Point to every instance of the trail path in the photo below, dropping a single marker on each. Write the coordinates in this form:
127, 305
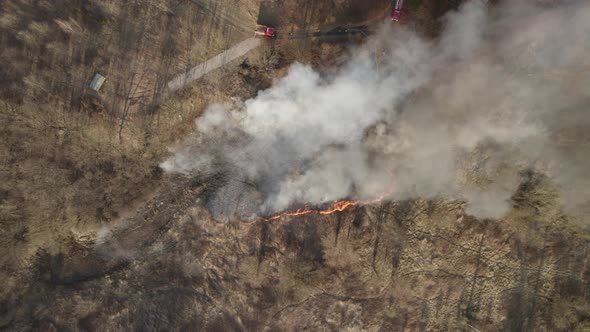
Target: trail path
217, 61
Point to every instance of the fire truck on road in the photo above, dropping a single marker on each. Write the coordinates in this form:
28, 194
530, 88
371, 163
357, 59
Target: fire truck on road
396, 13
265, 31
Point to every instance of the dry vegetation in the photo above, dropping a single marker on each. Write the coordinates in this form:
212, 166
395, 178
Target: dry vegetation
75, 163
410, 265
71, 157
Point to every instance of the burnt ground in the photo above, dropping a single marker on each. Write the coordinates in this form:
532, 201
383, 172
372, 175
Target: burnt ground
409, 265
96, 238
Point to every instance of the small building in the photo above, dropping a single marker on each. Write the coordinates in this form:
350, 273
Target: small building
97, 82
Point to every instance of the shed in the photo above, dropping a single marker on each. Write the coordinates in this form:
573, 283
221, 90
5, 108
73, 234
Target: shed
97, 82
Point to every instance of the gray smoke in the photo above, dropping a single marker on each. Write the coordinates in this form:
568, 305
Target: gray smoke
457, 118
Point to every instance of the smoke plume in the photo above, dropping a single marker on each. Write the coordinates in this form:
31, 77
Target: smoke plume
501, 90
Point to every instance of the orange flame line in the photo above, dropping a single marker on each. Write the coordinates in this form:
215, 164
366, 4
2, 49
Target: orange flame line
337, 206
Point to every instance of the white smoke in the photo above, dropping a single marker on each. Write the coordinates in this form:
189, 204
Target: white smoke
458, 117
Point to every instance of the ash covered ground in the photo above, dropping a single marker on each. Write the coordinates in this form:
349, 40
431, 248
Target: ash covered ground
461, 133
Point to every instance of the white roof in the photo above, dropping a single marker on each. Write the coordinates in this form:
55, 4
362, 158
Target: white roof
97, 82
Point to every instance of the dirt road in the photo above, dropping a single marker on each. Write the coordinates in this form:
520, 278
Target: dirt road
217, 61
